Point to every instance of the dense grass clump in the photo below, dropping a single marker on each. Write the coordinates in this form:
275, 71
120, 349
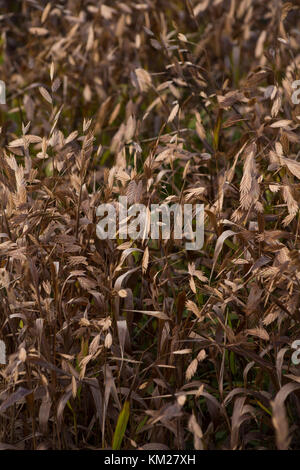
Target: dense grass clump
141, 344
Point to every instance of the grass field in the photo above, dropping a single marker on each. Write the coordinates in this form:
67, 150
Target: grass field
143, 344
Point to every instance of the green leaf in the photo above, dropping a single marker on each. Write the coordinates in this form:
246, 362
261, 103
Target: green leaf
121, 426
232, 362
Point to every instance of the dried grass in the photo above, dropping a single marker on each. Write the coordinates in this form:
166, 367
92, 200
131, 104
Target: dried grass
146, 345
